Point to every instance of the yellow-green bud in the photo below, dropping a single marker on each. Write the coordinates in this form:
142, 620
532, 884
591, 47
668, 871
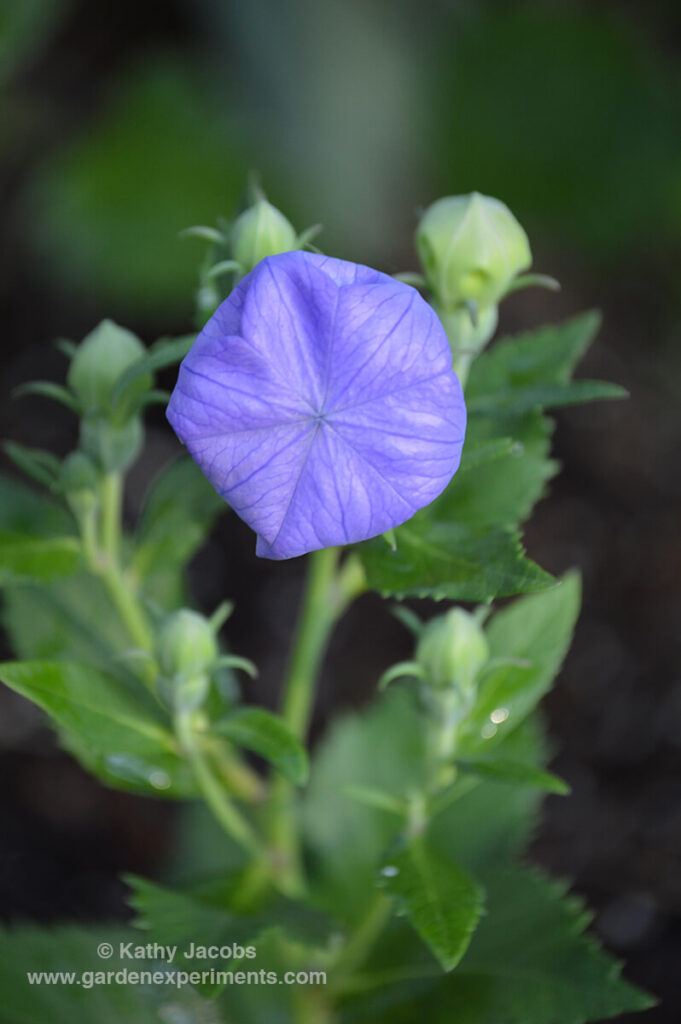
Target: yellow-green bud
186, 644
471, 248
262, 230
99, 361
452, 650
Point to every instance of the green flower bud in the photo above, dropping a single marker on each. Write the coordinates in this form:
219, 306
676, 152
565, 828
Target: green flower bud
452, 650
187, 650
471, 248
186, 644
99, 361
112, 447
261, 231
78, 473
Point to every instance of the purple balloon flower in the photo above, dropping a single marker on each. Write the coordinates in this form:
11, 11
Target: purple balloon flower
320, 402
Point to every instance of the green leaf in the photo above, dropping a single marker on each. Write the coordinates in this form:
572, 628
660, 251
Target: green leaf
24, 510
203, 914
487, 824
534, 359
383, 749
69, 618
536, 631
502, 491
203, 911
441, 900
180, 917
36, 559
532, 370
48, 389
529, 964
40, 465
464, 545
179, 510
547, 396
484, 831
514, 772
477, 452
72, 949
266, 734
457, 561
117, 737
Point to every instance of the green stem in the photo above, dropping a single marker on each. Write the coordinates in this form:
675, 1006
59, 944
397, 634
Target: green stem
112, 500
240, 780
466, 339
360, 943
103, 560
317, 616
128, 607
229, 817
327, 594
119, 587
87, 522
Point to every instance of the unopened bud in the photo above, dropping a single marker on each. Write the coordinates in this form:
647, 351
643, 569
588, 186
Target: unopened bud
112, 446
78, 473
99, 361
187, 650
452, 650
471, 248
262, 230
186, 644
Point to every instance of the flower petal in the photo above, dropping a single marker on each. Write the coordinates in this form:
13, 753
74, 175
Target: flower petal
320, 402
288, 314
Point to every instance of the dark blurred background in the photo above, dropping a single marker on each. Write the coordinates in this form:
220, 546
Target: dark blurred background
124, 121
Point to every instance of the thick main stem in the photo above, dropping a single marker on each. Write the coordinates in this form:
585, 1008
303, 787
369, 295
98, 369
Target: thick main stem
112, 499
317, 615
327, 594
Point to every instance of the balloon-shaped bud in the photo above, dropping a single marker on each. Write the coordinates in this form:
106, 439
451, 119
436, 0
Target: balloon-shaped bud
98, 363
452, 650
261, 230
186, 644
471, 248
187, 650
78, 474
